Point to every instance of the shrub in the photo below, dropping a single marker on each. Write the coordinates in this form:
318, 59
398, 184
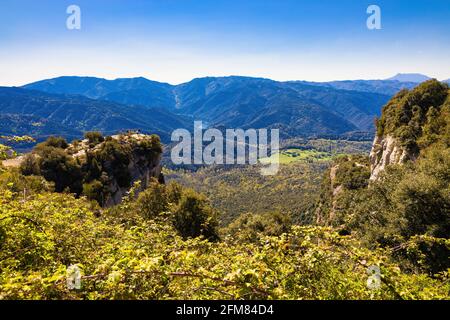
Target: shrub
62, 169
94, 137
352, 173
153, 201
55, 142
252, 227
174, 192
23, 185
94, 190
30, 165
194, 217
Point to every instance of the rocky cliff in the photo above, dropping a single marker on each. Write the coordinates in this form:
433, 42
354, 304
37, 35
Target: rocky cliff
100, 168
120, 161
386, 150
410, 122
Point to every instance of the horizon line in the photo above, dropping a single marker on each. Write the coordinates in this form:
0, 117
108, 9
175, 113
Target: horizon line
225, 76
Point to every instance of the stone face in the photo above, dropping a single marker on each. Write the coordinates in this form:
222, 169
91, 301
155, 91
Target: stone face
12, 163
335, 191
386, 151
144, 164
140, 170
141, 167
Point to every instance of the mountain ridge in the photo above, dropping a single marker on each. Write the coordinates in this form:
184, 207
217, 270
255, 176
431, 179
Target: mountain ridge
216, 100
298, 108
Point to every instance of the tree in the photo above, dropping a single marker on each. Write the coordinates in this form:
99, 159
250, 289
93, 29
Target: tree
54, 142
252, 227
55, 165
94, 190
153, 201
194, 217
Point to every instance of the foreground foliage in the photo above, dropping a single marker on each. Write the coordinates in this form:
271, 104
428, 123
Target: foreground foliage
126, 255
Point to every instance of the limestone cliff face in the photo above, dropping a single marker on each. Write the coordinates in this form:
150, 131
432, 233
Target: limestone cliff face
335, 189
142, 164
386, 150
140, 169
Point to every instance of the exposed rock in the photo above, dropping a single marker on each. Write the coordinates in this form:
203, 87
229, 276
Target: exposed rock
12, 163
386, 151
335, 191
141, 167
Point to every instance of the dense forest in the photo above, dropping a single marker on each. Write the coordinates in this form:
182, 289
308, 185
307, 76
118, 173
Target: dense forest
324, 228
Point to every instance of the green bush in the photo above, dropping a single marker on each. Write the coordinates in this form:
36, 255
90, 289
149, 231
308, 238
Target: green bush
352, 173
55, 165
55, 142
94, 137
194, 217
152, 201
148, 260
21, 185
30, 165
94, 190
252, 227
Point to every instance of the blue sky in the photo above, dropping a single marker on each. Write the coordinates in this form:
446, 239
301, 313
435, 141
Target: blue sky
177, 40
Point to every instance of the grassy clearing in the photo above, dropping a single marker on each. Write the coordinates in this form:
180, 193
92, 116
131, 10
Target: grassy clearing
288, 156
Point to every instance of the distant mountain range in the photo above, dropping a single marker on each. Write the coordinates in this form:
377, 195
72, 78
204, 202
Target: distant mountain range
72, 105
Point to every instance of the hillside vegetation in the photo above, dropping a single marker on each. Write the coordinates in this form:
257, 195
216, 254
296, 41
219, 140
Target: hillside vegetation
407, 208
292, 192
130, 252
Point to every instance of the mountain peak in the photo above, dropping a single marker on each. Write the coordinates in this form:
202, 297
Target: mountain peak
410, 77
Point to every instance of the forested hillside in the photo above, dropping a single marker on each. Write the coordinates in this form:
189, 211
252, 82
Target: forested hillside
69, 106
406, 206
292, 192
42, 114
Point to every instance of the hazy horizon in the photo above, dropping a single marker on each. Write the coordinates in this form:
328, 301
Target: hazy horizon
208, 76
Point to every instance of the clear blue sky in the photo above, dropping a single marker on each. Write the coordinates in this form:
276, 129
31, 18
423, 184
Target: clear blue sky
177, 40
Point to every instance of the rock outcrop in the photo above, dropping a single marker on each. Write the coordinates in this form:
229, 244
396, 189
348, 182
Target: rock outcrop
141, 164
386, 150
140, 170
410, 121
101, 168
